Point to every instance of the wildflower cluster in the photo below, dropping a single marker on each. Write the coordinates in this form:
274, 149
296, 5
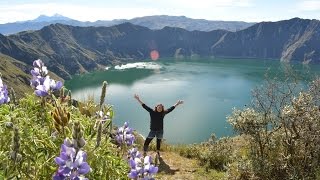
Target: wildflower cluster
29, 136
125, 135
141, 167
72, 163
4, 97
72, 160
41, 82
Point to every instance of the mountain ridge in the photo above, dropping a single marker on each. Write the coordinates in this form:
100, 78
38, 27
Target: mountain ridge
291, 35
69, 50
45, 18
152, 22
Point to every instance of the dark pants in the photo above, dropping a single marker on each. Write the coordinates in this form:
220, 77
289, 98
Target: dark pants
147, 142
151, 135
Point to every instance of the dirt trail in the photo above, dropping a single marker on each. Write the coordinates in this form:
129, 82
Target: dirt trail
175, 167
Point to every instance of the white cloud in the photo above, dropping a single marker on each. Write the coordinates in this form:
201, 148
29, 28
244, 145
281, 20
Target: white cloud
95, 13
201, 9
230, 10
200, 3
79, 12
92, 12
309, 5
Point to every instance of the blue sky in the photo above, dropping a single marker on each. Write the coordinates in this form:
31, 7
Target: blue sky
92, 10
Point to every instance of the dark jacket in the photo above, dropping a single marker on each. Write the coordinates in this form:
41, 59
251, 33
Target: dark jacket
156, 118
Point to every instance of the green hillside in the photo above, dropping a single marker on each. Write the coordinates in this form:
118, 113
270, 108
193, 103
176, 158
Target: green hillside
15, 75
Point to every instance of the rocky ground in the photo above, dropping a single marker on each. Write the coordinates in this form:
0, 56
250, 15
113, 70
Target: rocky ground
175, 167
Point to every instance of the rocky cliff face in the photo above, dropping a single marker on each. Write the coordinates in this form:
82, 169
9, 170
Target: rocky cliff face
69, 50
294, 39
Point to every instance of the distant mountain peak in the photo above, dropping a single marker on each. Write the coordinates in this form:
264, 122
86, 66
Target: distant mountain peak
152, 22
55, 17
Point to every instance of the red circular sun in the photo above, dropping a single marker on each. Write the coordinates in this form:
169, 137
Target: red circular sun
154, 54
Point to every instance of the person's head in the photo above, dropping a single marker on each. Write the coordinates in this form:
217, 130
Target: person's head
159, 108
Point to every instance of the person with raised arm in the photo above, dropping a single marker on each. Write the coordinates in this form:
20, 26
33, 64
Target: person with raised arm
156, 122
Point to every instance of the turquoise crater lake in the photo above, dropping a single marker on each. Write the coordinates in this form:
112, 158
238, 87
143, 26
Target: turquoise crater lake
211, 88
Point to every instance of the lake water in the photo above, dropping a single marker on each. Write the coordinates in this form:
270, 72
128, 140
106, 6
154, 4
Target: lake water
210, 88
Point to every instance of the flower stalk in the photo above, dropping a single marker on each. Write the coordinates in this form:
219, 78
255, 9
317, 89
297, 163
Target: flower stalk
15, 147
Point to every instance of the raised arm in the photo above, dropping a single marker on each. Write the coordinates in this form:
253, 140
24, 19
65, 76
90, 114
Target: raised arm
174, 106
178, 103
142, 103
136, 96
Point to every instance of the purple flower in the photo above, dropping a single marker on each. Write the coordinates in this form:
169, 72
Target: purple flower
46, 86
149, 169
38, 63
35, 72
72, 164
133, 153
59, 176
39, 71
42, 83
55, 85
36, 80
141, 168
4, 97
133, 174
136, 166
125, 135
39, 68
126, 124
67, 142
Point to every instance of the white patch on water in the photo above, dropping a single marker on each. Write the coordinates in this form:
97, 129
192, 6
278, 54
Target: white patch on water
138, 65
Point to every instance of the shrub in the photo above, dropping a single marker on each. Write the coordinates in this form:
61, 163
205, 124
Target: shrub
284, 129
213, 154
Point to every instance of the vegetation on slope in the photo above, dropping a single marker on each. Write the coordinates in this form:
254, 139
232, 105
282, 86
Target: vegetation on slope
33, 128
279, 138
279, 135
14, 74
